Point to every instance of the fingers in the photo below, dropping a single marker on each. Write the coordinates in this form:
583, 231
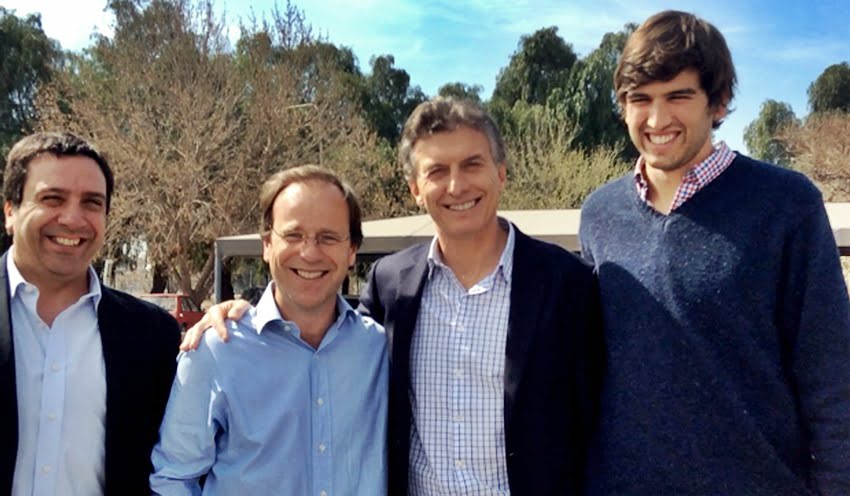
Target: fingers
214, 318
237, 309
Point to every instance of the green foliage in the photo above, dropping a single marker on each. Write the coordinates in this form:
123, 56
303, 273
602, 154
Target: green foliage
762, 135
831, 90
27, 57
544, 169
461, 91
541, 63
388, 97
581, 93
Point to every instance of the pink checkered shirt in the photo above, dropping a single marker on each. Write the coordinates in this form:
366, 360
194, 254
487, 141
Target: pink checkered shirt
694, 180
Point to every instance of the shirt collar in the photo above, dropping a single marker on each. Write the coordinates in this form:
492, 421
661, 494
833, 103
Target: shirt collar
506, 261
267, 311
16, 280
702, 173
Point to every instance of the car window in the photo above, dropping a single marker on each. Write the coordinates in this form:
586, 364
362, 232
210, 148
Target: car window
189, 305
168, 302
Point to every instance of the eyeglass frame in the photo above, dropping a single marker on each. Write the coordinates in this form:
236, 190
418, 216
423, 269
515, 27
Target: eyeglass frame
302, 238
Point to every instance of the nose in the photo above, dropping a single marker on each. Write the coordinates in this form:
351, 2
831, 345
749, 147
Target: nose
457, 182
72, 216
659, 115
309, 249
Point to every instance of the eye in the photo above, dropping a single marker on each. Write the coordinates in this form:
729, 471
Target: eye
435, 172
329, 239
52, 200
94, 203
293, 237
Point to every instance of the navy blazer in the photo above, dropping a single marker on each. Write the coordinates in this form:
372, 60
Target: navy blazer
554, 359
140, 343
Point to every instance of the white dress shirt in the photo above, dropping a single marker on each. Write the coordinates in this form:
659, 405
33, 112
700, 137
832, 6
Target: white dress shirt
457, 368
61, 389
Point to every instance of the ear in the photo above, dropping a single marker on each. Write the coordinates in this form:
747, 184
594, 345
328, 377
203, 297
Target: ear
503, 175
414, 190
352, 255
267, 247
9, 212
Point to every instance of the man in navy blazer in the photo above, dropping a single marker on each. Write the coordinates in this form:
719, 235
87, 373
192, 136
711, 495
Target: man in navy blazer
85, 370
496, 341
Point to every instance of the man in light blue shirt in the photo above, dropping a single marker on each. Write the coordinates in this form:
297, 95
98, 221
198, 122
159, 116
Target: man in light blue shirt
296, 403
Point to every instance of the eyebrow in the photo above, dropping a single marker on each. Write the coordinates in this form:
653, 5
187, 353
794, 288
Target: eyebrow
683, 92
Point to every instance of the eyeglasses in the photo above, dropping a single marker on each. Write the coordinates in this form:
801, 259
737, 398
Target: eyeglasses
323, 239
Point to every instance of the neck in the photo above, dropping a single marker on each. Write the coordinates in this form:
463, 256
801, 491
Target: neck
471, 259
313, 325
54, 295
663, 186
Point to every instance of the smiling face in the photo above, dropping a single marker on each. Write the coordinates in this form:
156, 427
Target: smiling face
670, 122
458, 183
59, 225
307, 274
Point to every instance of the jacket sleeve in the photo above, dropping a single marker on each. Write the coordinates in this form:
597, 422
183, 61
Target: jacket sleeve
816, 318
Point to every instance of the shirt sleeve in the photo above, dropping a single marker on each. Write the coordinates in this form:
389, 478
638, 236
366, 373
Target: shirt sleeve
193, 417
817, 319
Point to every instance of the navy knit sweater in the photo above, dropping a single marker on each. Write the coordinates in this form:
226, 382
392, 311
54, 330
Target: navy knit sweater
728, 328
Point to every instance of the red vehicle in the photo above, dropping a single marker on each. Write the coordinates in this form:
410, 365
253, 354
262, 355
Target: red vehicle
180, 306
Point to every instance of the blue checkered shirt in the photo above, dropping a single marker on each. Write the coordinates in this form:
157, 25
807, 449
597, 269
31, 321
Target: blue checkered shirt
457, 366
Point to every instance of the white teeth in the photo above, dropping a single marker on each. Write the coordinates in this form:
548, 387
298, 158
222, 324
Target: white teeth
660, 139
462, 206
67, 241
309, 274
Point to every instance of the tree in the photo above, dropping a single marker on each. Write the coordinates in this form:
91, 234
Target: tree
831, 90
462, 91
821, 150
388, 97
762, 135
192, 130
541, 63
27, 58
588, 97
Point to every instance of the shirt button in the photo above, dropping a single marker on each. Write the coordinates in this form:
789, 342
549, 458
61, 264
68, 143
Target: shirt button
51, 416
55, 367
46, 469
322, 448
28, 288
287, 327
458, 373
323, 493
459, 464
458, 418
320, 402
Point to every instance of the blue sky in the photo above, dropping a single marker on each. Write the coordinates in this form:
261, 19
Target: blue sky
779, 47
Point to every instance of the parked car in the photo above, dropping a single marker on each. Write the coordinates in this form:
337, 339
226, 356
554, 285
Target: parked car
180, 306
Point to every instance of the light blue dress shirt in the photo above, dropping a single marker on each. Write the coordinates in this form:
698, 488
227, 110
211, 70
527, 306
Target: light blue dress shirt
457, 370
265, 413
60, 380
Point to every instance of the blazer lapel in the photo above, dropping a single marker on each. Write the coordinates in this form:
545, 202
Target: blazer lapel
114, 352
8, 391
523, 322
406, 310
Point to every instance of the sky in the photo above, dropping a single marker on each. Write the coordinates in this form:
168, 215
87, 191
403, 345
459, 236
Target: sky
779, 47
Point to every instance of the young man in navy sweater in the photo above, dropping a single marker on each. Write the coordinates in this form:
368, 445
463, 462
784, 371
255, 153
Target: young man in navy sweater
727, 318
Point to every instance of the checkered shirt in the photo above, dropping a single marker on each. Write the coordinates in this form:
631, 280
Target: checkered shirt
457, 368
694, 180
